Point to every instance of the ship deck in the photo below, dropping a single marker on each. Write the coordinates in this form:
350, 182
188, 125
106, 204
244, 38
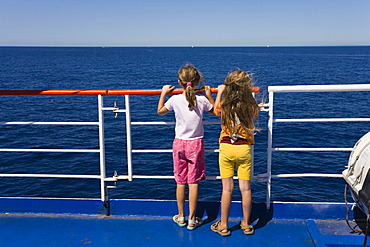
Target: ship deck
55, 222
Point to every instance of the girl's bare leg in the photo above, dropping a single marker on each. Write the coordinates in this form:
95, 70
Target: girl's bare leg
245, 189
180, 197
193, 201
227, 193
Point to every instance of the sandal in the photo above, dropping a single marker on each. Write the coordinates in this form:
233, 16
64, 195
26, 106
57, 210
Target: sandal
216, 228
247, 227
197, 222
177, 219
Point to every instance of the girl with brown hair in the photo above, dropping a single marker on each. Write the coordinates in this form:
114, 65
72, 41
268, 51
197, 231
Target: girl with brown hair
188, 146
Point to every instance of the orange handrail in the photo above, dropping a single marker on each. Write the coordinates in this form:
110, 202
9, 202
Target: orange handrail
140, 92
157, 91
95, 92
52, 92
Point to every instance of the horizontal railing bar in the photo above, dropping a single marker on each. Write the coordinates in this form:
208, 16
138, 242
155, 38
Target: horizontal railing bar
109, 108
321, 120
257, 177
169, 123
152, 150
211, 122
152, 123
161, 177
312, 149
52, 92
158, 91
125, 177
168, 150
319, 88
150, 177
114, 109
50, 123
50, 150
50, 176
97, 92
301, 175
143, 92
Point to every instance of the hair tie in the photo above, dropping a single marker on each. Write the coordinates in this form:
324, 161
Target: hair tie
189, 84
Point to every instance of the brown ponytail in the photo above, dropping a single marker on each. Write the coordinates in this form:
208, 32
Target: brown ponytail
189, 77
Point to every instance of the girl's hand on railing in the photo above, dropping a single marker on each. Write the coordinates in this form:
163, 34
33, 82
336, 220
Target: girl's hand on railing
167, 89
221, 88
207, 91
204, 90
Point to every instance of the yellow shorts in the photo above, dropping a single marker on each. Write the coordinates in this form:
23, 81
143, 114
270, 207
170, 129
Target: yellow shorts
238, 156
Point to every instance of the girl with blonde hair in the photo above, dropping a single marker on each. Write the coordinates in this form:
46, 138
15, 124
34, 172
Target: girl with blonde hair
238, 108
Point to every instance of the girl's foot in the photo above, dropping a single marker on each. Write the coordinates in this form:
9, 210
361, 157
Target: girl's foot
223, 231
247, 229
192, 224
180, 221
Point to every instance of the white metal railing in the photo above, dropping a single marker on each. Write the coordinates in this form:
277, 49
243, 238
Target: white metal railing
130, 151
100, 124
298, 89
101, 150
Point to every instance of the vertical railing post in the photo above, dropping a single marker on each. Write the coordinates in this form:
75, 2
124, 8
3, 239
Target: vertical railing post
103, 189
128, 133
252, 152
269, 148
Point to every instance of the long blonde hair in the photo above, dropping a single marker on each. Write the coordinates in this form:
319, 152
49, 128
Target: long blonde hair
189, 77
238, 104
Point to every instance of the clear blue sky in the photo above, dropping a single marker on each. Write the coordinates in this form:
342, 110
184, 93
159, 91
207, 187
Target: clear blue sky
184, 23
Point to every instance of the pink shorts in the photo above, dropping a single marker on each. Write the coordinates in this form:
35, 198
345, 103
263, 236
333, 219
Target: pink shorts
188, 161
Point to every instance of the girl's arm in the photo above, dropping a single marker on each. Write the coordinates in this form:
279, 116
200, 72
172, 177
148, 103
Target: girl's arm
217, 106
208, 93
162, 110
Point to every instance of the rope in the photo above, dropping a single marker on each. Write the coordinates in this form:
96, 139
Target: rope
347, 208
367, 229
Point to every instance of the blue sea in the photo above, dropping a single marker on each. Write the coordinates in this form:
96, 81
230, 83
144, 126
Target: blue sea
44, 68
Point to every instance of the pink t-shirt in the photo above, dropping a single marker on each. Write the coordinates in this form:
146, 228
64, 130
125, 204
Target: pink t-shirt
189, 124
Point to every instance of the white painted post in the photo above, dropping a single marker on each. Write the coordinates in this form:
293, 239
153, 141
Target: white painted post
103, 190
128, 134
269, 149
